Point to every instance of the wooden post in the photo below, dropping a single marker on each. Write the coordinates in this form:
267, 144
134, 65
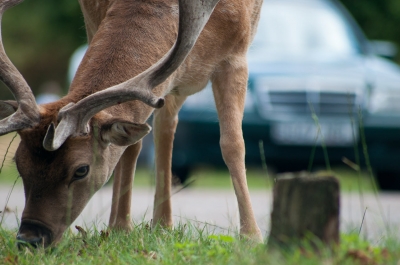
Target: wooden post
303, 204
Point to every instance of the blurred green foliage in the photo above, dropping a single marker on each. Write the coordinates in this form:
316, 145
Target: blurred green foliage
40, 35
379, 19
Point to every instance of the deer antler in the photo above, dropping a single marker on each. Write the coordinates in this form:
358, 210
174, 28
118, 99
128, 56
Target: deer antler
193, 15
28, 113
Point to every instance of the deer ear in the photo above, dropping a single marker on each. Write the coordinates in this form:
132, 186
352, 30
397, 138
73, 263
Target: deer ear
7, 107
124, 133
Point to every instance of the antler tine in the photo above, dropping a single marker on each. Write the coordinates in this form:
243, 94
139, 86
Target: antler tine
28, 112
193, 15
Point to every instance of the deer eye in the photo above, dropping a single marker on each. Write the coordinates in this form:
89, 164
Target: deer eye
81, 172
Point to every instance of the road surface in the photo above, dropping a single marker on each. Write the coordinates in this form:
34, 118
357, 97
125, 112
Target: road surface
217, 209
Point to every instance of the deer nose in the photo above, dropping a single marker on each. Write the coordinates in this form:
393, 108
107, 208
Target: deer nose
31, 234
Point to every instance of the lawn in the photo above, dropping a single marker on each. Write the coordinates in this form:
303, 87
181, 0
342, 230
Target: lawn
188, 244
192, 243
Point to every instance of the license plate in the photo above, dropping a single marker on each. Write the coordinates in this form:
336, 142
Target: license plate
332, 134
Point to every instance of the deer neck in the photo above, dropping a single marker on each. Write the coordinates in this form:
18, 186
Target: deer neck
124, 46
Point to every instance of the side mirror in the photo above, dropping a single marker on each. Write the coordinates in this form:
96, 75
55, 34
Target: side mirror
384, 49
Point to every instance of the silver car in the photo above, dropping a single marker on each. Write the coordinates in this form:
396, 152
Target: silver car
318, 93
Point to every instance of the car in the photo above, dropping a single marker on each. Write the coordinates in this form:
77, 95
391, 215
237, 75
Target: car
318, 94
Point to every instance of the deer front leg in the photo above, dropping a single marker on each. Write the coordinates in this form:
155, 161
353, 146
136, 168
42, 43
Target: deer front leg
120, 217
165, 122
229, 87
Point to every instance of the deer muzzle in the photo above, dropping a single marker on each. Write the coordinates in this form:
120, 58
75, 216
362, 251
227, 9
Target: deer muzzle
34, 233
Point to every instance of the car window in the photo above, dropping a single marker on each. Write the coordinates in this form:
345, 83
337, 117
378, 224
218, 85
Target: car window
301, 29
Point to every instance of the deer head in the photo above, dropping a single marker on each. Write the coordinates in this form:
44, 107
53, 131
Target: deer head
69, 148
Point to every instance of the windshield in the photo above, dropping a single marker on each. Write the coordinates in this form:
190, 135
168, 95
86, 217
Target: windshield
301, 30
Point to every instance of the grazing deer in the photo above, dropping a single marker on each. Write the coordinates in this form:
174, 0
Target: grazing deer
70, 148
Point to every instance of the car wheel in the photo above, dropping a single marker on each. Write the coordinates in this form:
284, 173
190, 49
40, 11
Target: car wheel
180, 174
388, 180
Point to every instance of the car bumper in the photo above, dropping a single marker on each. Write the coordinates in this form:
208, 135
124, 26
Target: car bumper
197, 143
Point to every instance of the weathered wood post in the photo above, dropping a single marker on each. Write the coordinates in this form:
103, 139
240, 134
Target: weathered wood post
303, 204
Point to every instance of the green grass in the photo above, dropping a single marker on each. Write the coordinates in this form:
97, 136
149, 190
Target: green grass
220, 179
188, 244
217, 178
257, 178
194, 244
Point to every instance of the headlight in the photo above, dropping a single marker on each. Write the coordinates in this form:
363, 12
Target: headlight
385, 101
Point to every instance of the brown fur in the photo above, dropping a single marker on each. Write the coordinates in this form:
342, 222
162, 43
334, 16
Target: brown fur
126, 37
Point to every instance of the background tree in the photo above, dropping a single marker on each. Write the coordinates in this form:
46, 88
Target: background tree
39, 37
379, 19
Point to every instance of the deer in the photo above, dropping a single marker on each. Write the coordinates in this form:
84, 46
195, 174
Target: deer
144, 58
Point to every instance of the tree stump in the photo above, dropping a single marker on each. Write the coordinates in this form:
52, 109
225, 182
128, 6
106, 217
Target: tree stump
304, 204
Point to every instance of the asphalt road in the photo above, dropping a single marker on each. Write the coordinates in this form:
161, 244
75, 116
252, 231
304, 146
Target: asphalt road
217, 209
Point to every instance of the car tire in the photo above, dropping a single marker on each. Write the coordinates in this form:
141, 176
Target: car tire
180, 174
388, 180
